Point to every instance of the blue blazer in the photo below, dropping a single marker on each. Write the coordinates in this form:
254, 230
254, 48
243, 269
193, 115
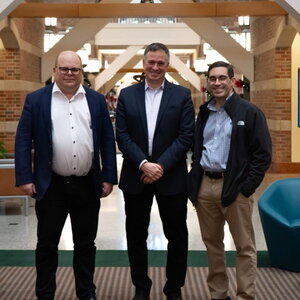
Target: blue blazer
35, 132
172, 137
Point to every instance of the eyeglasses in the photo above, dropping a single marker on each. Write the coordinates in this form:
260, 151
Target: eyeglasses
220, 78
65, 70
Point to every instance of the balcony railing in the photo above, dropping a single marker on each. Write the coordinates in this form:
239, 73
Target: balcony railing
146, 20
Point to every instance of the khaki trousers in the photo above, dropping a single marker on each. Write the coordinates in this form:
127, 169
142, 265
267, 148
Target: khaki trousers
238, 215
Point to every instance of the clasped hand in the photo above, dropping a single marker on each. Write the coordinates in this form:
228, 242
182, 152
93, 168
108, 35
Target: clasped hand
151, 172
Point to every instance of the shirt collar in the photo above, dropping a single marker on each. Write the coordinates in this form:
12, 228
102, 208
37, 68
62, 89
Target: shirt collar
148, 87
56, 89
211, 104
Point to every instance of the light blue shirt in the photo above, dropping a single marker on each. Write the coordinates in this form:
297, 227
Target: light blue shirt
216, 139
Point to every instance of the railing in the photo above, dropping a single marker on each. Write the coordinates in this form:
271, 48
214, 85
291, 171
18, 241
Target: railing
146, 20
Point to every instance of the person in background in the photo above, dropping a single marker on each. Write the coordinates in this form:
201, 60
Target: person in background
154, 129
74, 164
232, 151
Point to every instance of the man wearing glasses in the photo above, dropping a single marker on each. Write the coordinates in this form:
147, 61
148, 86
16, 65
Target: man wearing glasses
68, 127
155, 126
232, 151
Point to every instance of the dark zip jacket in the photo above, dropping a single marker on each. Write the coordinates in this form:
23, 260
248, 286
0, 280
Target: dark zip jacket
249, 155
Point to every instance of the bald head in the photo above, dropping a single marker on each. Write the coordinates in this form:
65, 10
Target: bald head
68, 73
68, 55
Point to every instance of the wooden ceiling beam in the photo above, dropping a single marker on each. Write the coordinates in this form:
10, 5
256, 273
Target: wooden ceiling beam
42, 10
140, 70
129, 10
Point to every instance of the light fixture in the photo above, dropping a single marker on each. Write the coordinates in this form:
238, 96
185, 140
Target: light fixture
51, 22
200, 65
244, 22
93, 65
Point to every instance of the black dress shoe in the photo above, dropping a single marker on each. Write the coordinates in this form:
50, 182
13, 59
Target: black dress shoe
227, 298
141, 295
174, 297
91, 297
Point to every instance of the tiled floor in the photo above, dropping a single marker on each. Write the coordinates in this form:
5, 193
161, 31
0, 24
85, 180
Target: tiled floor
19, 232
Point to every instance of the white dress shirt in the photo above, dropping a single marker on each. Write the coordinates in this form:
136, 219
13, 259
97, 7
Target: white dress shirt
71, 133
153, 99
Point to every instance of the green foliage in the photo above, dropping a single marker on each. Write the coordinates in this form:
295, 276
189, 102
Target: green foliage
2, 150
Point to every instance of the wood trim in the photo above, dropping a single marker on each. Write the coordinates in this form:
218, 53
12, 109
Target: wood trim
149, 10
284, 168
42, 10
140, 70
7, 184
181, 10
249, 8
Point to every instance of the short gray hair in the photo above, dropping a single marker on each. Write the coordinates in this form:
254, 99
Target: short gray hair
157, 47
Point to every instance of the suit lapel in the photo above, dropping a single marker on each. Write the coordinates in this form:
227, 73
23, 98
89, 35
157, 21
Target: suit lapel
93, 111
46, 105
91, 105
141, 105
164, 102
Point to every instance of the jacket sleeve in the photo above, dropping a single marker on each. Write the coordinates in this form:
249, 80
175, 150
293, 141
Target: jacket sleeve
108, 149
126, 144
23, 146
260, 153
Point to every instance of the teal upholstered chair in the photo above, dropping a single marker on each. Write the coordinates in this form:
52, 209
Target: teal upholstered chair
279, 209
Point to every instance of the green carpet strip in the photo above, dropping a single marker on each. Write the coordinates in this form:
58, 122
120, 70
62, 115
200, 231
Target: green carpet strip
118, 258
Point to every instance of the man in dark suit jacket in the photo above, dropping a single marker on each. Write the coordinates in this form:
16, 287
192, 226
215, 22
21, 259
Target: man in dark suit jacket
69, 129
155, 123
